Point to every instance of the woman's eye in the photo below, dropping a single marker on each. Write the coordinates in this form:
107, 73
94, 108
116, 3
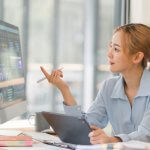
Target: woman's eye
117, 50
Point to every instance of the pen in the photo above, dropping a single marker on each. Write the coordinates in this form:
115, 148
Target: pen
42, 79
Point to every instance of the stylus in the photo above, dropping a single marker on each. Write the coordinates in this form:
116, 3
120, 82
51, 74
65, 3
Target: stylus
40, 80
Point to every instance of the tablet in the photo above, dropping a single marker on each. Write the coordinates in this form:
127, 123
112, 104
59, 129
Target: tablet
70, 129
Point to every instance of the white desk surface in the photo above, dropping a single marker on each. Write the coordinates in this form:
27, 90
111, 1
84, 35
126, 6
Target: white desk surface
34, 147
26, 128
37, 145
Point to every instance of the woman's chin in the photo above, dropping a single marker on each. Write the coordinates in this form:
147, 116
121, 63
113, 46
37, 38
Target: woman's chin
113, 70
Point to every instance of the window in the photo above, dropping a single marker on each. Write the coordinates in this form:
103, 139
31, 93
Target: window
72, 34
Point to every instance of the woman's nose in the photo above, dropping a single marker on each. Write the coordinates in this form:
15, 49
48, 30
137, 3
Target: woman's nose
109, 53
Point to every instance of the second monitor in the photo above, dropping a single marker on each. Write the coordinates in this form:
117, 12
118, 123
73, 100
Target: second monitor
12, 83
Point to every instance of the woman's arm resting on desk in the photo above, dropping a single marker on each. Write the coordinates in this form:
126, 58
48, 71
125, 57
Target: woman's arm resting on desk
54, 78
141, 134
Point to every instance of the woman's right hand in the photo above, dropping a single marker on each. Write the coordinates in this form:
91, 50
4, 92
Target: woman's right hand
55, 78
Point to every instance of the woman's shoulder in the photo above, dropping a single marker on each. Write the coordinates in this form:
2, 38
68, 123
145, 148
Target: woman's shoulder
110, 82
109, 85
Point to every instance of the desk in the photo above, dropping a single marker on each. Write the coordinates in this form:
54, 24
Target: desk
40, 146
37, 145
132, 145
38, 136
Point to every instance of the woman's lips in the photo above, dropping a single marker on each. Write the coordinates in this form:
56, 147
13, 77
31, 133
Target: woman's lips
111, 63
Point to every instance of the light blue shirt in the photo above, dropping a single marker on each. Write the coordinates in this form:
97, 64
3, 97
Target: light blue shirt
112, 104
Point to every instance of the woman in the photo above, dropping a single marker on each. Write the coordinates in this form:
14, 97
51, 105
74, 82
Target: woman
124, 100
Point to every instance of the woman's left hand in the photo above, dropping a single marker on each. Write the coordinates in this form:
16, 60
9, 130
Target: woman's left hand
98, 136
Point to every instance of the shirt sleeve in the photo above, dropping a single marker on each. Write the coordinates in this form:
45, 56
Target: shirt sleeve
96, 114
73, 110
143, 131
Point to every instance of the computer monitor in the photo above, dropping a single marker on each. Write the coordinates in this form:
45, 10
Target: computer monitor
12, 84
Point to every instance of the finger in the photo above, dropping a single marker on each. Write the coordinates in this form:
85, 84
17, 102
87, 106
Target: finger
96, 142
57, 77
53, 78
60, 70
61, 73
45, 72
53, 73
93, 134
96, 132
57, 72
95, 138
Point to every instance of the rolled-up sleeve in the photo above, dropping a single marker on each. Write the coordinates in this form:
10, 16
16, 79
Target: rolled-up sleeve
73, 110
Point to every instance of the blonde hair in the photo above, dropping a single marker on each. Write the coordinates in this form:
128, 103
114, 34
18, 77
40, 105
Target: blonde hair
137, 39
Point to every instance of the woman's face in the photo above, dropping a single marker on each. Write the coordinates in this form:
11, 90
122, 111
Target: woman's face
119, 60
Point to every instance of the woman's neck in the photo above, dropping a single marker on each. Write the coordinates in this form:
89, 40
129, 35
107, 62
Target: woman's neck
132, 78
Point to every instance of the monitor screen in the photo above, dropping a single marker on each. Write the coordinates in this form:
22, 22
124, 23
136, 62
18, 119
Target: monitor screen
12, 83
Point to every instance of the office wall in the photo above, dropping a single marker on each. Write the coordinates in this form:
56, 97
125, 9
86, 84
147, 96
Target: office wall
140, 11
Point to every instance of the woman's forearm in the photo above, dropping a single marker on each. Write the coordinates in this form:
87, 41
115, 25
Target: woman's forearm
68, 97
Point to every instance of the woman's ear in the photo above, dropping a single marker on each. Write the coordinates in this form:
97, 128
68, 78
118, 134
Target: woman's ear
138, 57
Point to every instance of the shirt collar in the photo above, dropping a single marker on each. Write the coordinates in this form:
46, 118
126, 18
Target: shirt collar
118, 91
144, 89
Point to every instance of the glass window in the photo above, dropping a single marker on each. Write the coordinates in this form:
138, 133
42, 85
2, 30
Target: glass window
39, 53
140, 11
13, 12
106, 26
56, 39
